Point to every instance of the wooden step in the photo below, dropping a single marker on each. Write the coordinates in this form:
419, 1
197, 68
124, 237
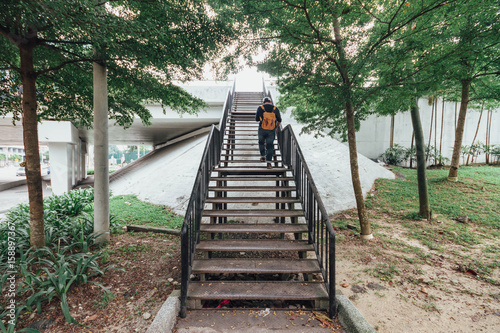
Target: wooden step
244, 149
254, 143
239, 138
240, 168
256, 228
255, 266
246, 161
252, 200
252, 179
235, 170
251, 188
247, 155
252, 213
256, 290
238, 245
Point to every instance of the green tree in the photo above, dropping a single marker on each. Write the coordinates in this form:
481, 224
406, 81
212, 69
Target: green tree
325, 55
15, 157
46, 55
473, 68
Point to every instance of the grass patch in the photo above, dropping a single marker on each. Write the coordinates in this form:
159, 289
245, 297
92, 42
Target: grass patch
471, 243
476, 194
127, 209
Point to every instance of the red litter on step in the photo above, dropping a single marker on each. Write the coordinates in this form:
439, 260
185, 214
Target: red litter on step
224, 302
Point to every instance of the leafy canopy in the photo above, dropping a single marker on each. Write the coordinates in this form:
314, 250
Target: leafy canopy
146, 45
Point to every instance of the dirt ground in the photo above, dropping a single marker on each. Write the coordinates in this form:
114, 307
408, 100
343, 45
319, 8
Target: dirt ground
396, 294
393, 292
145, 268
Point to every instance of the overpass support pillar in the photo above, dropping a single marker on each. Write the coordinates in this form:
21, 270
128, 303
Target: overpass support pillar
62, 166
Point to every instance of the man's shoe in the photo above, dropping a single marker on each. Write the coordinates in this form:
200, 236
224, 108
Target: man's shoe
269, 166
262, 158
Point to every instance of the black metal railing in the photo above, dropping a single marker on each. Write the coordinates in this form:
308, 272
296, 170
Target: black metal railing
320, 230
190, 231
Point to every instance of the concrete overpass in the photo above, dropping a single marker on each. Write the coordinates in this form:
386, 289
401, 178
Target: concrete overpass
69, 146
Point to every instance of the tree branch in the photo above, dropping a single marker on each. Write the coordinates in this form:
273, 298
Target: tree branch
486, 74
371, 14
16, 39
63, 42
62, 64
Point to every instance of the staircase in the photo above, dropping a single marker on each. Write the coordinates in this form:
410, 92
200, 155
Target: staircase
254, 243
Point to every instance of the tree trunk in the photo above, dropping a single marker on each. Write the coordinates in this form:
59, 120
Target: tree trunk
455, 158
423, 193
366, 232
412, 140
30, 138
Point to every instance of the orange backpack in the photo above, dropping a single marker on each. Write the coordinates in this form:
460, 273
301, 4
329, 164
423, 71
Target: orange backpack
269, 119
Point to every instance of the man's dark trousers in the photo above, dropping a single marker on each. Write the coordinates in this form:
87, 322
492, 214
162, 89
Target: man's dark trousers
266, 143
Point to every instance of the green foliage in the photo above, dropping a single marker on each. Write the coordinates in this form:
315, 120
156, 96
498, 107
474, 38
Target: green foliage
433, 154
15, 157
399, 154
148, 45
129, 210
49, 272
107, 296
69, 204
495, 151
395, 155
470, 153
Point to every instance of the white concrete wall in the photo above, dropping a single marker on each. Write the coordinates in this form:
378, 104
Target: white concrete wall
373, 137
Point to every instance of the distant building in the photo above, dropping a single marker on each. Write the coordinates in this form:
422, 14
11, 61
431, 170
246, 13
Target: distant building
9, 153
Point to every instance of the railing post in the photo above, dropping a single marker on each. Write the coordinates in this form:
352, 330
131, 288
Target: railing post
331, 266
184, 268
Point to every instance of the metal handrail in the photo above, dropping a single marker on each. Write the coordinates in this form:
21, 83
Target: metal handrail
320, 230
190, 231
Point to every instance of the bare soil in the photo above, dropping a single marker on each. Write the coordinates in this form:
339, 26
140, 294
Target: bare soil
396, 291
396, 282
145, 268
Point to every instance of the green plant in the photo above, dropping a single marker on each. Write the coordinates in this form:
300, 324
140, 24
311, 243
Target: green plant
395, 155
106, 297
384, 272
495, 151
49, 272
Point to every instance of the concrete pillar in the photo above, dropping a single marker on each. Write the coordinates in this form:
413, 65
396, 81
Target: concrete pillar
60, 167
101, 168
83, 160
73, 165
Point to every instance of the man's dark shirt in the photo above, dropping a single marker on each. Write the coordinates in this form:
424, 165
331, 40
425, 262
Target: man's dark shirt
269, 108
